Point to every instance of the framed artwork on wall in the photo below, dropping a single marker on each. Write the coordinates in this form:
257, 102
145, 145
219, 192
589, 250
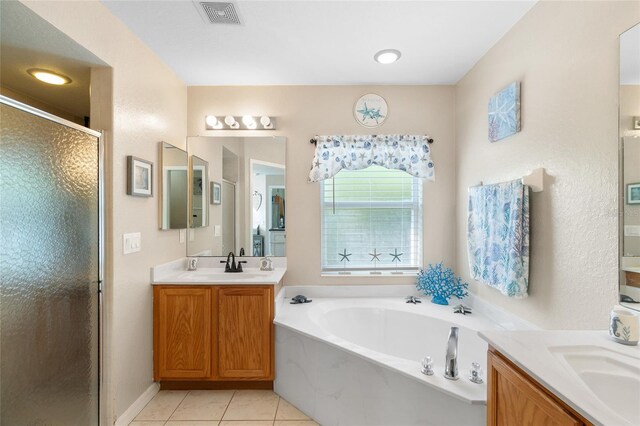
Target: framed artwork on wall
633, 193
504, 112
139, 177
216, 193
370, 110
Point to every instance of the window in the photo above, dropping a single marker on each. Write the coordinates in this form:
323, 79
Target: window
371, 209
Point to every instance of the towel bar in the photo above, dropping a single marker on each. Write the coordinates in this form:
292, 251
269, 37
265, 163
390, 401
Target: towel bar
535, 180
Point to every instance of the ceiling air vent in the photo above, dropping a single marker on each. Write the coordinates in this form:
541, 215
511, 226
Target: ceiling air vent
218, 12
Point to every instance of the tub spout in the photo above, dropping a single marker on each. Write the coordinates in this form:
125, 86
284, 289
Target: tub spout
451, 360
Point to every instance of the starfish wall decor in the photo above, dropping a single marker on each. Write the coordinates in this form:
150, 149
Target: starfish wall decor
371, 113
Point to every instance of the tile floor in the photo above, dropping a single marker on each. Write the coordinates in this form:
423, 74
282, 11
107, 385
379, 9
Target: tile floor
220, 408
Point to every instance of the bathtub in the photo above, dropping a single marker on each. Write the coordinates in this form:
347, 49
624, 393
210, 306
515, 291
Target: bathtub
356, 360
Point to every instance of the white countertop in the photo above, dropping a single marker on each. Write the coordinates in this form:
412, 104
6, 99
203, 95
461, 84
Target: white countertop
536, 352
211, 271
217, 276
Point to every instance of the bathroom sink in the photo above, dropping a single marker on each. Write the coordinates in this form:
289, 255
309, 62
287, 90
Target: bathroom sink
613, 377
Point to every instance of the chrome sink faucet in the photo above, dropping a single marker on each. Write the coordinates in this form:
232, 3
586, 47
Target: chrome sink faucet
451, 360
232, 267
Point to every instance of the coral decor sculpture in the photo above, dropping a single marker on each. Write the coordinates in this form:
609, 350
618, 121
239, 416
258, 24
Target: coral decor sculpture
441, 283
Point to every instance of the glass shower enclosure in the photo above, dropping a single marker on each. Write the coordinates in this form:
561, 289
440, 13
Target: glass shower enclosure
50, 269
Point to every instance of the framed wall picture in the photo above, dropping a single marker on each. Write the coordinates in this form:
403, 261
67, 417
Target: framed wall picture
139, 177
216, 193
633, 193
504, 112
370, 110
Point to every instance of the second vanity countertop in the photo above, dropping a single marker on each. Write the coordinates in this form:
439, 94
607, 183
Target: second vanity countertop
217, 276
547, 356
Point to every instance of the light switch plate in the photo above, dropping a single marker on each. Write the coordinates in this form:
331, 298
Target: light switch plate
217, 231
183, 236
131, 243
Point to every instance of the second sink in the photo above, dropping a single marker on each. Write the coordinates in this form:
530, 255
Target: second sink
613, 377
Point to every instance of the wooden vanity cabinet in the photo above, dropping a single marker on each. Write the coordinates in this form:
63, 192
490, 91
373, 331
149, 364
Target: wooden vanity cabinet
213, 333
515, 398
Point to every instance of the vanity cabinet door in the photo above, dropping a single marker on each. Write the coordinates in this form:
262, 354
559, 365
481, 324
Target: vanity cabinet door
513, 398
245, 332
182, 332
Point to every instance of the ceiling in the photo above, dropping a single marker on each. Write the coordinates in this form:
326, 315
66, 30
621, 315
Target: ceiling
321, 42
28, 41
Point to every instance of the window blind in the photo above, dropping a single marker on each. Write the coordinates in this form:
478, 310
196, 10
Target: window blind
371, 209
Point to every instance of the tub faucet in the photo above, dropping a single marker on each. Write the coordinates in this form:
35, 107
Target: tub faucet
451, 360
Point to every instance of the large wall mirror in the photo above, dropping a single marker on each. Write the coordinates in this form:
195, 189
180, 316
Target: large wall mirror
173, 181
629, 125
243, 197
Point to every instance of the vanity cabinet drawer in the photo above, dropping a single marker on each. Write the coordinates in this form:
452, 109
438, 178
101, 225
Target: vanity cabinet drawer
514, 398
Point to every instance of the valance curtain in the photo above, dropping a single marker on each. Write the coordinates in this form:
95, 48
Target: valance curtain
409, 153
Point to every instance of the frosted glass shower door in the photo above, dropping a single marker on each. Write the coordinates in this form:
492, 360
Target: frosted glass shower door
49, 271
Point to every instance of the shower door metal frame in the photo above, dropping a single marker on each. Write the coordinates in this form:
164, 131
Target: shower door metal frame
101, 232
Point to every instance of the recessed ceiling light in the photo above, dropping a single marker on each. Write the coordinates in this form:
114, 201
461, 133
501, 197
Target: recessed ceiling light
387, 56
49, 77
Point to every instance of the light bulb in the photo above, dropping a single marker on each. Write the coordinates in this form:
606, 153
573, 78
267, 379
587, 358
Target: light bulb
211, 120
248, 120
265, 121
252, 125
229, 120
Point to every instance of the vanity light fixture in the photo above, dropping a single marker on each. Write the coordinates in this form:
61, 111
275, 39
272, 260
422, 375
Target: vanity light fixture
244, 122
387, 56
49, 77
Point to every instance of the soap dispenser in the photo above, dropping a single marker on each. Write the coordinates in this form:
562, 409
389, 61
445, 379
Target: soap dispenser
266, 264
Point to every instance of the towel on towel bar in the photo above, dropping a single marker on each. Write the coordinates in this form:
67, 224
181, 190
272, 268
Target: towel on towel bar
498, 236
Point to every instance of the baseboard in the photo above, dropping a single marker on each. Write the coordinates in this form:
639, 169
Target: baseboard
218, 384
137, 406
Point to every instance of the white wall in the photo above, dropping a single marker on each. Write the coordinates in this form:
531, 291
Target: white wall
305, 111
138, 103
566, 56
